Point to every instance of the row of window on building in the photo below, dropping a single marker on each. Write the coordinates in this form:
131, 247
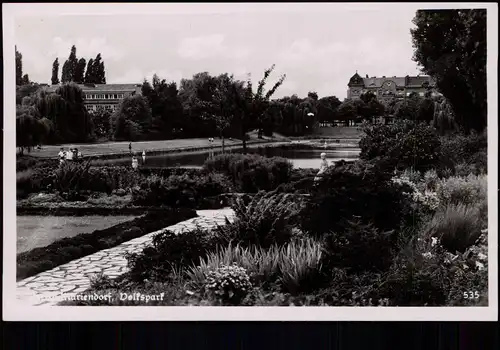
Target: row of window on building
93, 108
103, 96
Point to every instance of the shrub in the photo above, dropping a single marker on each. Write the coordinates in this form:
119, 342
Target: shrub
463, 190
230, 284
465, 153
180, 190
300, 266
250, 172
456, 225
418, 276
360, 247
170, 250
268, 219
431, 179
261, 264
468, 273
296, 265
360, 189
403, 144
422, 202
33, 180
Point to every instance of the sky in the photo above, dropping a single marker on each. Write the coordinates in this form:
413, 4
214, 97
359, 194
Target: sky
318, 47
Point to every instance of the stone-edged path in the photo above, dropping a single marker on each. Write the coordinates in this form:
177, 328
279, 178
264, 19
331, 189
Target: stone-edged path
48, 288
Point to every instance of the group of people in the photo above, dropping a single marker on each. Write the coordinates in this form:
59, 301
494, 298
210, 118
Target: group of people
72, 154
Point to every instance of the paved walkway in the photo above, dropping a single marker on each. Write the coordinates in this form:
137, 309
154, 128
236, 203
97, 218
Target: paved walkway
73, 277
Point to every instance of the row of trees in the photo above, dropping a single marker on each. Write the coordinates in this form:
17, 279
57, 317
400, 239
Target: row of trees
73, 70
203, 106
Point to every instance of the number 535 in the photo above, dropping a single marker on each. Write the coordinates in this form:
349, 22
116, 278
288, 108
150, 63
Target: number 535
471, 295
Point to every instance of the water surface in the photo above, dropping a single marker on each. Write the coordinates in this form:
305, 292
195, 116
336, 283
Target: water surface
301, 158
35, 231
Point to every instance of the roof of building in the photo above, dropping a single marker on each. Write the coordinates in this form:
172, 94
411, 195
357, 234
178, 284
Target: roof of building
408, 81
101, 87
356, 80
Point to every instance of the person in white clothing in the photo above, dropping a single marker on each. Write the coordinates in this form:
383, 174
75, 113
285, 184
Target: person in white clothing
69, 154
135, 163
322, 167
62, 155
143, 156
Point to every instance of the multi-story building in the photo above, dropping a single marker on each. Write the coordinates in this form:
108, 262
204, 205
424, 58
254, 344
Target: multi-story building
386, 88
107, 96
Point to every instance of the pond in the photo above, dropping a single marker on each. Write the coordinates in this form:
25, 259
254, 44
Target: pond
301, 158
39, 231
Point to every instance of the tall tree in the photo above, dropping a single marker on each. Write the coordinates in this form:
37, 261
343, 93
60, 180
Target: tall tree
252, 105
450, 45
79, 75
65, 109
19, 67
73, 64
131, 119
55, 72
327, 108
98, 74
165, 107
89, 73
66, 74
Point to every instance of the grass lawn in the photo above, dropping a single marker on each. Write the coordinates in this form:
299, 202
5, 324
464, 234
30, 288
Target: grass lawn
39, 231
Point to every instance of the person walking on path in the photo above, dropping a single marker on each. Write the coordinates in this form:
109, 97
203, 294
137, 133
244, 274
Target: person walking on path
130, 147
143, 156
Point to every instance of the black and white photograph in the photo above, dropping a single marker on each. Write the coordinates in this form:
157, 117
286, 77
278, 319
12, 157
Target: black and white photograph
239, 161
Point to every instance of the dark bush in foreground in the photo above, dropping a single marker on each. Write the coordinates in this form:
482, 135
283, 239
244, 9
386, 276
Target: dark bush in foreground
403, 144
67, 249
268, 219
180, 190
471, 150
251, 173
360, 247
169, 251
355, 190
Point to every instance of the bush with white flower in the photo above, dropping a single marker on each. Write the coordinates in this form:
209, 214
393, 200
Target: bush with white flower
427, 200
229, 284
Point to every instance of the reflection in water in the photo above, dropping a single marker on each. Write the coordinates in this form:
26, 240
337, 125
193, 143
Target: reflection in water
306, 158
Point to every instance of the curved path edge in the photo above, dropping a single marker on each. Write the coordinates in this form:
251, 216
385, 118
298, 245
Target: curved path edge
50, 287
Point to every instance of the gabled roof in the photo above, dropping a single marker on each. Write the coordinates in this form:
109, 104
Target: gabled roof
355, 80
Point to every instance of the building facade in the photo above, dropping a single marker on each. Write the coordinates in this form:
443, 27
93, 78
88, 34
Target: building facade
107, 96
386, 88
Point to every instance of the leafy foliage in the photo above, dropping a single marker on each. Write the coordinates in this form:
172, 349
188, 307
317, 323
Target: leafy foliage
268, 219
355, 190
180, 190
251, 173
403, 144
450, 45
